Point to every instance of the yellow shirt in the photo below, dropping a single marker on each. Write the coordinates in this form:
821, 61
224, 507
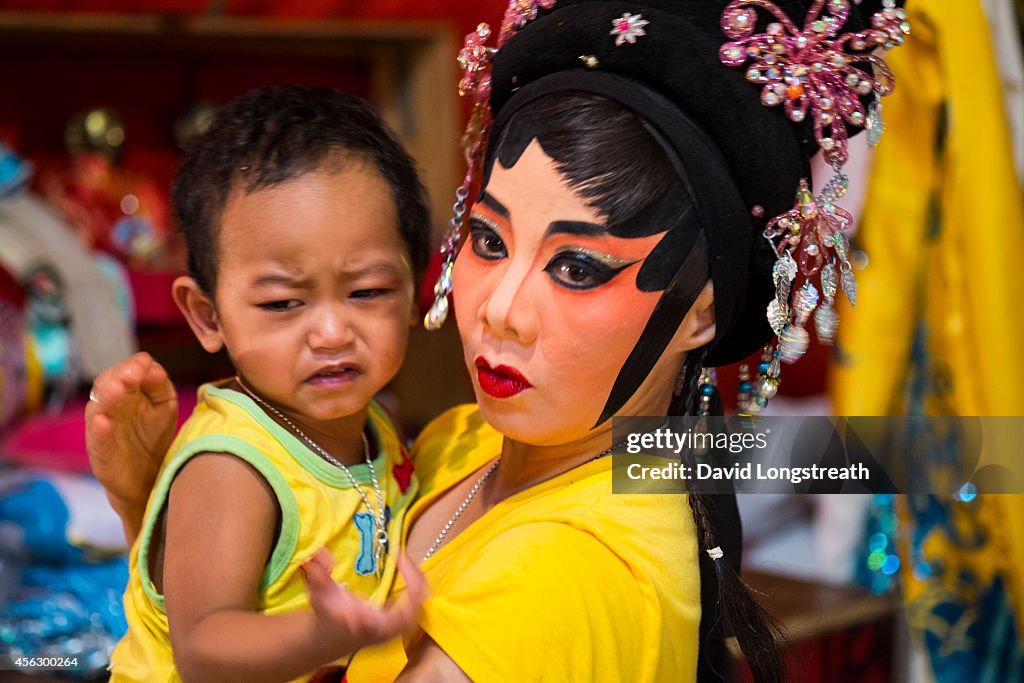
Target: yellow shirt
562, 582
319, 508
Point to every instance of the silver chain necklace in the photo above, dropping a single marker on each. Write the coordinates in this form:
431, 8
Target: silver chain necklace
476, 488
379, 520
462, 508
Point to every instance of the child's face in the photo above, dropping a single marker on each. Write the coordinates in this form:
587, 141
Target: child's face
314, 295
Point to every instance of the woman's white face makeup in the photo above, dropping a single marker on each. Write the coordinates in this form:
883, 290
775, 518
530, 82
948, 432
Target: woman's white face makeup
549, 310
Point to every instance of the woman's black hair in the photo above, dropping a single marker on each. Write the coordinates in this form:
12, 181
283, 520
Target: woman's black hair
602, 150
609, 157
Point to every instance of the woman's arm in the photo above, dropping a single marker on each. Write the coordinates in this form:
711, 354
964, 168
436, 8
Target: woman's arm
220, 531
430, 663
129, 425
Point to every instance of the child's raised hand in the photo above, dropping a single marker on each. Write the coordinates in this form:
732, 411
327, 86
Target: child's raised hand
348, 623
129, 424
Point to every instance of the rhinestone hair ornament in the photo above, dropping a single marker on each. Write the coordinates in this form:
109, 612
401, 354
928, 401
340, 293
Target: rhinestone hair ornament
817, 74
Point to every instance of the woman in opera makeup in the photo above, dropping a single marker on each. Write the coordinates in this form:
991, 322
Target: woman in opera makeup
611, 254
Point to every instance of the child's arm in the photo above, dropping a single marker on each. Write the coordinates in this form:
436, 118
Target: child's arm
220, 531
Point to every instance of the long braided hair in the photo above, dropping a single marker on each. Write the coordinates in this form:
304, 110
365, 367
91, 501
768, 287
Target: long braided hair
735, 612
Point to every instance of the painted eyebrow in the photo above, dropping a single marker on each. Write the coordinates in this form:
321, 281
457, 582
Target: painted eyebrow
575, 228
493, 204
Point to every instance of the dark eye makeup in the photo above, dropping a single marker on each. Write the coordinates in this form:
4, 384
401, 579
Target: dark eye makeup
582, 268
573, 267
485, 241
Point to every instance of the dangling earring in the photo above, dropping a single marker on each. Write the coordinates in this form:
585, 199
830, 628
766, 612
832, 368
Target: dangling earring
706, 388
753, 396
475, 60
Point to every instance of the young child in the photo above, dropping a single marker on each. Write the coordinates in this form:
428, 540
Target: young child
306, 228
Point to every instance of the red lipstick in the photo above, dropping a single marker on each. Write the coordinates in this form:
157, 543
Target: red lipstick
502, 381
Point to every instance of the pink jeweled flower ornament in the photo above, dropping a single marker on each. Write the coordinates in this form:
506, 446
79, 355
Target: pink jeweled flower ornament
518, 14
628, 28
475, 57
810, 71
474, 60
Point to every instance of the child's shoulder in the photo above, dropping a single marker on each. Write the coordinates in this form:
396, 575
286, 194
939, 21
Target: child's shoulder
218, 410
384, 421
227, 422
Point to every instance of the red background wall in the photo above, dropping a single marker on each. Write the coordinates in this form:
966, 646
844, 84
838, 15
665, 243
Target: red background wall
463, 15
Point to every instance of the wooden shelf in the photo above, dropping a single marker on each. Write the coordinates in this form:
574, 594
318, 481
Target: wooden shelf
411, 64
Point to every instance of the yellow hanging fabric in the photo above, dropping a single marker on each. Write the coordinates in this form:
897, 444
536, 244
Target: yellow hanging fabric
944, 228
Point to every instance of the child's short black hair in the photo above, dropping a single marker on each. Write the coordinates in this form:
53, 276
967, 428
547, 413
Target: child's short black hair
271, 135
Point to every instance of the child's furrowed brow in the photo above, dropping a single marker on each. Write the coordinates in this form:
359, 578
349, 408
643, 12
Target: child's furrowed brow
380, 269
278, 280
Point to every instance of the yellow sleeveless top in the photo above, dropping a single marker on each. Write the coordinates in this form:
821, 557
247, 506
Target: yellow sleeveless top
562, 582
319, 508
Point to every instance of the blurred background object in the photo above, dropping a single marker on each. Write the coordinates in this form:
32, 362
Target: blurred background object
939, 329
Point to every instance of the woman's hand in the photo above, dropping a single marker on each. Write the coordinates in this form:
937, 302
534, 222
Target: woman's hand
129, 425
344, 622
